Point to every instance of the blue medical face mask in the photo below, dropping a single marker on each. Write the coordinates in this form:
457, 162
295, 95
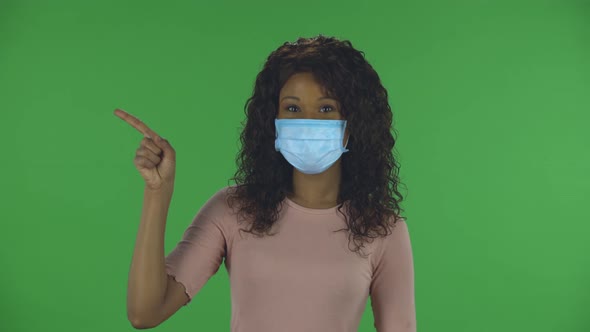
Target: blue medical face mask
311, 146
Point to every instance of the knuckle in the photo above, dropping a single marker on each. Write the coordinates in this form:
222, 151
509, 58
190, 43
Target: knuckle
155, 149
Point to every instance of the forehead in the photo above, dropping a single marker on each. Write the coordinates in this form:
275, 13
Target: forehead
302, 83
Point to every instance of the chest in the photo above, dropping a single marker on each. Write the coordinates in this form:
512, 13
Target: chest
300, 264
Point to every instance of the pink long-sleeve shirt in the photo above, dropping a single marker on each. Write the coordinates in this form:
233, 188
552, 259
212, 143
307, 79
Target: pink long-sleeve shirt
305, 278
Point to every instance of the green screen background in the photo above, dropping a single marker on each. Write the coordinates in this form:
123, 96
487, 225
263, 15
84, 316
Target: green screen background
491, 103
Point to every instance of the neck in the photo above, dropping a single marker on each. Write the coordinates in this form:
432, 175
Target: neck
317, 190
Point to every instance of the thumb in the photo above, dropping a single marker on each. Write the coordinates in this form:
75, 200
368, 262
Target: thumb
162, 143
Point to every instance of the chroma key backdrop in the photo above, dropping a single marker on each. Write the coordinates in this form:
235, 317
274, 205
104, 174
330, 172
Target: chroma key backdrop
491, 114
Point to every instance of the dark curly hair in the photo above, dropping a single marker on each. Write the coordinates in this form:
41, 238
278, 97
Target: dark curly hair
369, 171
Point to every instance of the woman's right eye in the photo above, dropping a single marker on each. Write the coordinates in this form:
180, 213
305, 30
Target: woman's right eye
289, 107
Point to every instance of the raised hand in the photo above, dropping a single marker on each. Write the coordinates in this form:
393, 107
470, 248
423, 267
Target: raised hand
155, 159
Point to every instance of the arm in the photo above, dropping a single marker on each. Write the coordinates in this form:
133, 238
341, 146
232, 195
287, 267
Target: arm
392, 287
160, 285
148, 280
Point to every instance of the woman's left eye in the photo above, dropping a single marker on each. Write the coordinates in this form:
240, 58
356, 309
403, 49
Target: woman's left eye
327, 106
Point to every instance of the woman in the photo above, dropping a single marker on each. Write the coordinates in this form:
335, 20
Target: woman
315, 173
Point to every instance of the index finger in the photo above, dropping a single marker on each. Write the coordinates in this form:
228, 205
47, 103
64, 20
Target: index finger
136, 123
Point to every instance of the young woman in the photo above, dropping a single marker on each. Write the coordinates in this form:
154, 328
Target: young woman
316, 172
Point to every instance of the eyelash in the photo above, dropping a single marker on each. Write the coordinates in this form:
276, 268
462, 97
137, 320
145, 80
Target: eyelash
332, 108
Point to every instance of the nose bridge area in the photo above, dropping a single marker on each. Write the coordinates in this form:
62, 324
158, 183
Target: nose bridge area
312, 116
306, 111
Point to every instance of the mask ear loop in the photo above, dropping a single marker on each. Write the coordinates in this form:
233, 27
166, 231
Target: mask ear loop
344, 149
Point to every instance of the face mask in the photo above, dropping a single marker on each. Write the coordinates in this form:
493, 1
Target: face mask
311, 146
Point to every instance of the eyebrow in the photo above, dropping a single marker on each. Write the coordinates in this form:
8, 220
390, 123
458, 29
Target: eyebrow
297, 98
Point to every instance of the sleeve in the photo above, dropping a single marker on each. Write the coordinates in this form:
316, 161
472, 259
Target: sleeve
201, 250
392, 285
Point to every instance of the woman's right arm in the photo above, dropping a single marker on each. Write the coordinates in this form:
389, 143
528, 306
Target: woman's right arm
148, 281
152, 295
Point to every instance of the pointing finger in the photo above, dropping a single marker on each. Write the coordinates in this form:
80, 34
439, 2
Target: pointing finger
135, 123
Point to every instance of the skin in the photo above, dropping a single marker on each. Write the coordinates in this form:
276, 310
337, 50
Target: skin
315, 191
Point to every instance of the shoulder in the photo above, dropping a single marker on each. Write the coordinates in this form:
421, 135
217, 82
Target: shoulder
400, 234
216, 205
396, 239
215, 213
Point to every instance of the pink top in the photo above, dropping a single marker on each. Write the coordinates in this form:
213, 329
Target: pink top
305, 277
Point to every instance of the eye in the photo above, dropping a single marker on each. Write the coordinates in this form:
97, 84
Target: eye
328, 106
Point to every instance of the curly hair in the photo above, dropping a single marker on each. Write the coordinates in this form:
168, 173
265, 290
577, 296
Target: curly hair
369, 171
